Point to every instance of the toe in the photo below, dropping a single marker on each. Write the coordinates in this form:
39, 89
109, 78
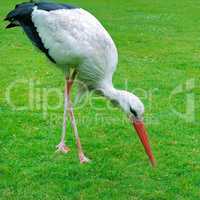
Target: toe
83, 159
62, 148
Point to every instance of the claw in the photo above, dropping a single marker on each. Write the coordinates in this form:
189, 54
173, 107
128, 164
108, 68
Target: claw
62, 148
83, 159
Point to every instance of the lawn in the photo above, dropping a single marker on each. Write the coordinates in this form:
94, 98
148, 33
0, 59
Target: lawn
159, 60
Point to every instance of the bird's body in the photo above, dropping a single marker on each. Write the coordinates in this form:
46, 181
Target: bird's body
72, 38
74, 43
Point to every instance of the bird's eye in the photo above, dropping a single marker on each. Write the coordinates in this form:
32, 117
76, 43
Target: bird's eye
133, 112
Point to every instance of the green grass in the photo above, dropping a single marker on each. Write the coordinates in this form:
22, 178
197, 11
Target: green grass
159, 50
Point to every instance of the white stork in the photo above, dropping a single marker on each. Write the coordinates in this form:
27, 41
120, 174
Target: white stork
78, 44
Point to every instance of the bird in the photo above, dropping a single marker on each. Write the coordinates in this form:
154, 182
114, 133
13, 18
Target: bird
78, 44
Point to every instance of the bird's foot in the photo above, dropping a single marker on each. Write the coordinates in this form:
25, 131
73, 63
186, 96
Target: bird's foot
83, 159
62, 148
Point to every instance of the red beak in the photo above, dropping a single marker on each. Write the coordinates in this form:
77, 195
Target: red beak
142, 133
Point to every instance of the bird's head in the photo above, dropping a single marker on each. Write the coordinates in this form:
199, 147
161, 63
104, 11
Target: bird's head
134, 108
131, 105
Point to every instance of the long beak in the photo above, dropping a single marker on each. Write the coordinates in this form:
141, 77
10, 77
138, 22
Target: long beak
142, 133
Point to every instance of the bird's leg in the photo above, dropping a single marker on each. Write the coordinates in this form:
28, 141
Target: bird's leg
61, 146
82, 157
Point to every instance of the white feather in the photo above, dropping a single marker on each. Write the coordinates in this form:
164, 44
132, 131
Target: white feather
76, 38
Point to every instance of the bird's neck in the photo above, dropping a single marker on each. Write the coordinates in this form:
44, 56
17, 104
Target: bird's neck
111, 93
124, 99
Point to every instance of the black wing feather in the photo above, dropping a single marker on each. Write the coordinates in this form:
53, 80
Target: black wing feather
53, 6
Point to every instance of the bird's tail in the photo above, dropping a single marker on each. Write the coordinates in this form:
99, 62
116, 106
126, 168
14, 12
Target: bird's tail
21, 10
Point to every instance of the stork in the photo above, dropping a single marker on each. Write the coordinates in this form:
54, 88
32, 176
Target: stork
76, 42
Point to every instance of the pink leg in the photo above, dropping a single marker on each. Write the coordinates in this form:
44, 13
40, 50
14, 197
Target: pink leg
82, 157
61, 147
